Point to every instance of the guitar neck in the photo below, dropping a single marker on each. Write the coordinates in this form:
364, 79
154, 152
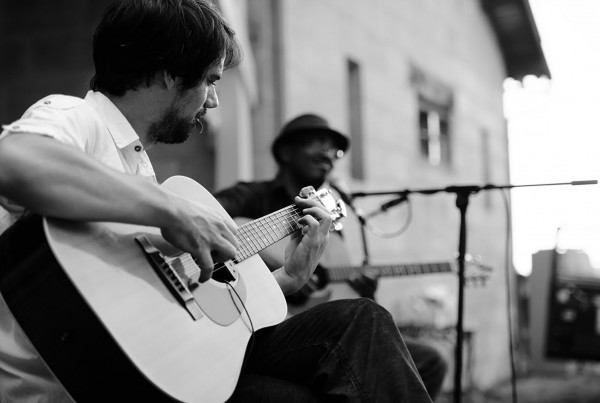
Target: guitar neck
341, 274
263, 232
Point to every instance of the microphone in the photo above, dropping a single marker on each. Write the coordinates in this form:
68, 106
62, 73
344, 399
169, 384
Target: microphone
344, 191
386, 206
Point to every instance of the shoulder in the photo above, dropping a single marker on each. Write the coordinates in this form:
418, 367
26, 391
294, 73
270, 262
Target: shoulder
63, 117
58, 102
59, 108
65, 107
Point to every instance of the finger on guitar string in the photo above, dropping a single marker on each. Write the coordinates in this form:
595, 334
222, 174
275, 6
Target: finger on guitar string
318, 217
205, 262
306, 192
229, 232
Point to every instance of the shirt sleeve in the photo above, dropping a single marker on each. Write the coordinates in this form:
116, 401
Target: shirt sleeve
56, 116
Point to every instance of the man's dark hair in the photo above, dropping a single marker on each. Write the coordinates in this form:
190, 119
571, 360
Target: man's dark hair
138, 38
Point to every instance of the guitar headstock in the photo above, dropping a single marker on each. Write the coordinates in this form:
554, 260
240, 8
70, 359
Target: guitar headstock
337, 208
477, 274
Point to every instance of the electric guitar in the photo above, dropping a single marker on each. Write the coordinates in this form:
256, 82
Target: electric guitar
330, 283
118, 313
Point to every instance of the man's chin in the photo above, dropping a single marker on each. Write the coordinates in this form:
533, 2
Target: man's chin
176, 140
177, 136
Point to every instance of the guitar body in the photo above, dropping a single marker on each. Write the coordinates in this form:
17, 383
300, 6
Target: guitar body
106, 324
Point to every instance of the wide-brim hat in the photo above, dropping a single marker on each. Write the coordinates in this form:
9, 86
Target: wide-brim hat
307, 124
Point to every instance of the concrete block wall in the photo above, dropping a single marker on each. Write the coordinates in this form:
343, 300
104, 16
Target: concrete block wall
46, 48
452, 42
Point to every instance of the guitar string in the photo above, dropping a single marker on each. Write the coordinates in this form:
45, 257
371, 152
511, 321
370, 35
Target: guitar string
250, 232
294, 214
258, 238
344, 272
341, 273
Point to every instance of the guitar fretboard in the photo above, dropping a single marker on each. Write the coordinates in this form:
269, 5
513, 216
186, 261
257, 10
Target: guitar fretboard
265, 231
340, 274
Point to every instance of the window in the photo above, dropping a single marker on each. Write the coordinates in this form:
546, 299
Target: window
434, 136
435, 108
357, 163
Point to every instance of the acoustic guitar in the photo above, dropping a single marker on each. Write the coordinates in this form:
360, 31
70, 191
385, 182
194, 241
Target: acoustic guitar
118, 314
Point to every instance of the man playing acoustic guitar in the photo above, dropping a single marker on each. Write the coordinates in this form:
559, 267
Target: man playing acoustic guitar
306, 151
84, 160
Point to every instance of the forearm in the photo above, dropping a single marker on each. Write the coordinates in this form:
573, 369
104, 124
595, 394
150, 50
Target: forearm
287, 283
56, 180
306, 246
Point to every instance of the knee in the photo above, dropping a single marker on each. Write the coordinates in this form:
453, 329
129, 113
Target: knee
360, 315
354, 309
366, 310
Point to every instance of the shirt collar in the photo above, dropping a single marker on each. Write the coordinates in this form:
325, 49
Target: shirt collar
119, 127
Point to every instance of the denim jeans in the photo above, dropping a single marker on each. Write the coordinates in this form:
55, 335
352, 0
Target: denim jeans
339, 351
430, 363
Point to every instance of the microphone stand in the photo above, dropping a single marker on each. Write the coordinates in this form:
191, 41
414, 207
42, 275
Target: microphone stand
462, 202
363, 234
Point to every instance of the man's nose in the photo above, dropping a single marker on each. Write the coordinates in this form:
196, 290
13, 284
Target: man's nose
212, 100
332, 153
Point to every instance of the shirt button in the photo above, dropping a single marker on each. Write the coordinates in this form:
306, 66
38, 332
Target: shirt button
138, 148
47, 102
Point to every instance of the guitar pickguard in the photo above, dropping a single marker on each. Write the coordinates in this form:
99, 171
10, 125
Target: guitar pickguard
222, 301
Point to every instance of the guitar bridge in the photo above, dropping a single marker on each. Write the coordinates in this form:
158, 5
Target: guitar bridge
170, 277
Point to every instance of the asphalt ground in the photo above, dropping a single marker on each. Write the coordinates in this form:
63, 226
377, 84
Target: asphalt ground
557, 388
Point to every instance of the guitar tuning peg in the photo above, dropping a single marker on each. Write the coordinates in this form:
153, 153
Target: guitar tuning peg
341, 208
336, 226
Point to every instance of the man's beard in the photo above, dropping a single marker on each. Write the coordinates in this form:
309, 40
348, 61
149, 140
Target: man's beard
170, 129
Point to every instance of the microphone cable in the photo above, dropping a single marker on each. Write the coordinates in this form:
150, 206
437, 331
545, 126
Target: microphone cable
398, 232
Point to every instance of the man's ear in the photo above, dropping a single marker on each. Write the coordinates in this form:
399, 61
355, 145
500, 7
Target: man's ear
170, 81
285, 152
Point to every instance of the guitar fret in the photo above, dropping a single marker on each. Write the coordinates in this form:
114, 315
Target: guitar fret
263, 232
339, 274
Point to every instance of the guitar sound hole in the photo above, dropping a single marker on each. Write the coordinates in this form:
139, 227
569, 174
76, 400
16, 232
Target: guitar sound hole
222, 275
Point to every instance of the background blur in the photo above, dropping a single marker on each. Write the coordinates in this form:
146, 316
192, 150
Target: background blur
432, 93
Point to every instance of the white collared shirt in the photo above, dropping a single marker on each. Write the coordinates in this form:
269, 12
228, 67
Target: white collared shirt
97, 127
